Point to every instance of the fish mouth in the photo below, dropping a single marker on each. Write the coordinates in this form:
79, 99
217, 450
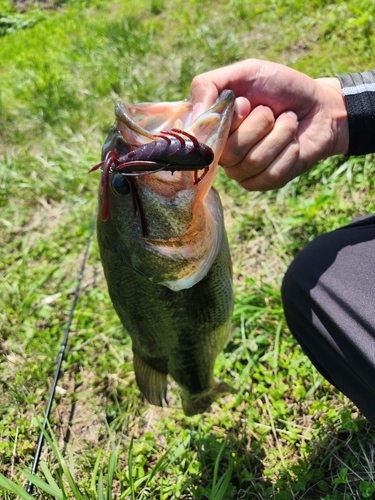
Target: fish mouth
138, 124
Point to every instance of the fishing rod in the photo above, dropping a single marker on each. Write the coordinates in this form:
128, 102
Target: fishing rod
30, 485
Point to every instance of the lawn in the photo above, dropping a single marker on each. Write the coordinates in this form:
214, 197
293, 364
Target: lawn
286, 434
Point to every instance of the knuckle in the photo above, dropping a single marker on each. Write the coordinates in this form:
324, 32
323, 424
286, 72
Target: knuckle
288, 125
195, 82
291, 126
266, 116
230, 157
198, 81
284, 168
231, 172
273, 179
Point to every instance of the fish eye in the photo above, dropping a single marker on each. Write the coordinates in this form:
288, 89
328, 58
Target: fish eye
120, 185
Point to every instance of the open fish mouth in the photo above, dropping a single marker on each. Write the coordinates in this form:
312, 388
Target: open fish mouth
149, 138
139, 123
159, 137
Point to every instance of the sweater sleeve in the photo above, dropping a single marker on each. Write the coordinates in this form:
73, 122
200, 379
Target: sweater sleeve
359, 92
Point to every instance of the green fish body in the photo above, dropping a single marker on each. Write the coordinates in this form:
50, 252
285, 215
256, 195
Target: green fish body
166, 258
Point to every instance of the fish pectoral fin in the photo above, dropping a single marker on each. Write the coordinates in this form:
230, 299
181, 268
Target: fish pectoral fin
198, 403
151, 382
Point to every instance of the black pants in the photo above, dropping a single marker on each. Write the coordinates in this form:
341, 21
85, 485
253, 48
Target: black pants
329, 302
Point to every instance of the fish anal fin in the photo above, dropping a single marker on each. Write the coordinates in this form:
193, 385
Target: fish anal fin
199, 403
151, 382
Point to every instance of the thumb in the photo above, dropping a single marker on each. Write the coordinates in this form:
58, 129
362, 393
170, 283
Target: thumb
242, 108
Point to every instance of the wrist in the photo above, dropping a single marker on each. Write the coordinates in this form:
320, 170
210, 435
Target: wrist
335, 102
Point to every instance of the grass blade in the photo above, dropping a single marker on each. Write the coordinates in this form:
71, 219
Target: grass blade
14, 488
111, 471
223, 482
216, 470
94, 477
42, 485
48, 475
130, 469
100, 487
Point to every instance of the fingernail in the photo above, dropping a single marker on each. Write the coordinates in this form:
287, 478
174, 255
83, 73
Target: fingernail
292, 115
197, 109
242, 107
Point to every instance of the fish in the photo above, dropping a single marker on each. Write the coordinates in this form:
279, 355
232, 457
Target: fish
165, 253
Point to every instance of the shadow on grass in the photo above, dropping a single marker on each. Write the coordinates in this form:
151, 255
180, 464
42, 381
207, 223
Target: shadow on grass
233, 464
339, 465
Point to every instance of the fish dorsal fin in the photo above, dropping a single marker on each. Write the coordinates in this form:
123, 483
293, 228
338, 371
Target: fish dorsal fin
151, 382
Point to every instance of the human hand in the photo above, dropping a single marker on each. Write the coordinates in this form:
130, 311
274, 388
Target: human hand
284, 121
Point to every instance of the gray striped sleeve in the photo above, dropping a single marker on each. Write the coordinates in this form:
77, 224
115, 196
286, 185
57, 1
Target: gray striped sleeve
359, 92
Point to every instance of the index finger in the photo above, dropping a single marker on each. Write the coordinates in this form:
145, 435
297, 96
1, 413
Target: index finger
239, 77
204, 94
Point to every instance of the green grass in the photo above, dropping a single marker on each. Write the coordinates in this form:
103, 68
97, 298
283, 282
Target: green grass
287, 434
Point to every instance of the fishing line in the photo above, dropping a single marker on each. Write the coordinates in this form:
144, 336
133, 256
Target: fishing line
30, 485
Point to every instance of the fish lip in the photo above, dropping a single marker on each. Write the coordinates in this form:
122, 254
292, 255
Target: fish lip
221, 110
223, 106
123, 116
224, 102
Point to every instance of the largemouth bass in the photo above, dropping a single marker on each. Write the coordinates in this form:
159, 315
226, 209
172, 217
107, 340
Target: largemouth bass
166, 256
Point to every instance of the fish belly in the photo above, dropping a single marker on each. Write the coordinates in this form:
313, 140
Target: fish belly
173, 332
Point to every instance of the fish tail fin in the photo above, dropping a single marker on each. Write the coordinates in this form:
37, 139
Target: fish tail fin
151, 382
198, 403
